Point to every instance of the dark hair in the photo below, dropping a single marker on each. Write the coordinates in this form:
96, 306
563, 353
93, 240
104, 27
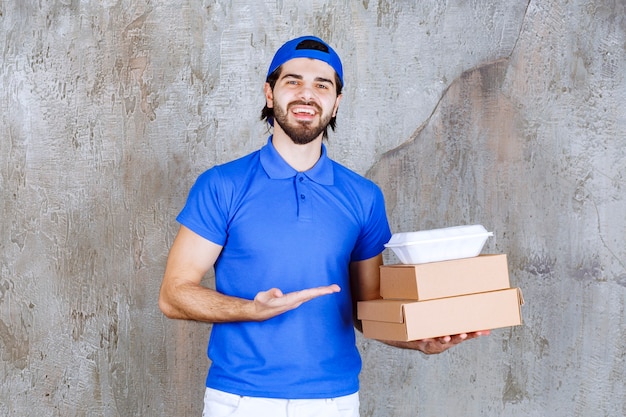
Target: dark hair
267, 113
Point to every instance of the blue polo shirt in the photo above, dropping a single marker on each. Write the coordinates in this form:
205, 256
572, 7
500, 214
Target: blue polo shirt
290, 230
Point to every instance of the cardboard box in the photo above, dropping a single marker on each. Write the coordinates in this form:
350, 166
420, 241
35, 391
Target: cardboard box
406, 320
444, 279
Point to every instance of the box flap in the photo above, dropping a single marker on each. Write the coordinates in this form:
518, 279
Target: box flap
389, 311
384, 331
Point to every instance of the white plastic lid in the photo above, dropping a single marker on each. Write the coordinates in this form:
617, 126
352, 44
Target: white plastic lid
446, 233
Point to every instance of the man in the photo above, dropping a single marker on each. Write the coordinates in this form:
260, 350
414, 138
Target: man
295, 239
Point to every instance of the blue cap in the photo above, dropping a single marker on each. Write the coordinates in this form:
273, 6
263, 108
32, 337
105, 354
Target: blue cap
303, 48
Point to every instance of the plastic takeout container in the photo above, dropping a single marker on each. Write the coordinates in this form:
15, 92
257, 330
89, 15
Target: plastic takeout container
439, 244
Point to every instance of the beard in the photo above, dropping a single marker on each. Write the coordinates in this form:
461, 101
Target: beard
301, 133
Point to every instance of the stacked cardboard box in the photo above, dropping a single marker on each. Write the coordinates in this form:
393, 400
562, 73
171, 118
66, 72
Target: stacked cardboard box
442, 298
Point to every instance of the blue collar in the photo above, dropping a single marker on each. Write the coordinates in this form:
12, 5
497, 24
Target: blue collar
277, 168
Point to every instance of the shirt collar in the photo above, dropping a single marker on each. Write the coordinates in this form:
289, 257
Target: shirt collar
277, 168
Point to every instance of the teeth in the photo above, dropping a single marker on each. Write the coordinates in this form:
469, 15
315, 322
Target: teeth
308, 111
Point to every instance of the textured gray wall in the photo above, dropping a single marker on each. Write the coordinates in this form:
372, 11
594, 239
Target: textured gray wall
509, 114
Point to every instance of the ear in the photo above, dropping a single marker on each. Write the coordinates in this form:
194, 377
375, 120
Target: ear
269, 95
339, 97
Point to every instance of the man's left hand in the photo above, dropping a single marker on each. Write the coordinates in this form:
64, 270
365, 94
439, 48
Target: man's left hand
438, 344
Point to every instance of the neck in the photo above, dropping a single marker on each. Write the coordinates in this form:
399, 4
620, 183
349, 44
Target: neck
299, 157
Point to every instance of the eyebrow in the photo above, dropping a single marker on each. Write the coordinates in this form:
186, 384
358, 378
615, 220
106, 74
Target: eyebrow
299, 77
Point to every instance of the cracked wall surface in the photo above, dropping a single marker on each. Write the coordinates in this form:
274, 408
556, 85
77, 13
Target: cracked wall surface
507, 114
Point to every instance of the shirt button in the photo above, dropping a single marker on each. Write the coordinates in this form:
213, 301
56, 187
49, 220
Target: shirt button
302, 196
301, 179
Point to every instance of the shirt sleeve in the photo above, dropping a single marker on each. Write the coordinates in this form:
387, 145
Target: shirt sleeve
206, 209
375, 232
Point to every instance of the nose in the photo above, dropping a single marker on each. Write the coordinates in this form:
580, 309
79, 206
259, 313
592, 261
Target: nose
307, 92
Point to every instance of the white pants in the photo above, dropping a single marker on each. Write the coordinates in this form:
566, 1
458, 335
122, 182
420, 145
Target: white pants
222, 404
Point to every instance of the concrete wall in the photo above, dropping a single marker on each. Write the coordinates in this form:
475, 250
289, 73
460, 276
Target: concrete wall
508, 114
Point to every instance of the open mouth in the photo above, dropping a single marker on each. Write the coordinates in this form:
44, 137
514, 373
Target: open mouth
304, 110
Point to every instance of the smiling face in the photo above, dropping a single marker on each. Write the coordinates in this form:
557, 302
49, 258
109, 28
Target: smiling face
304, 99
